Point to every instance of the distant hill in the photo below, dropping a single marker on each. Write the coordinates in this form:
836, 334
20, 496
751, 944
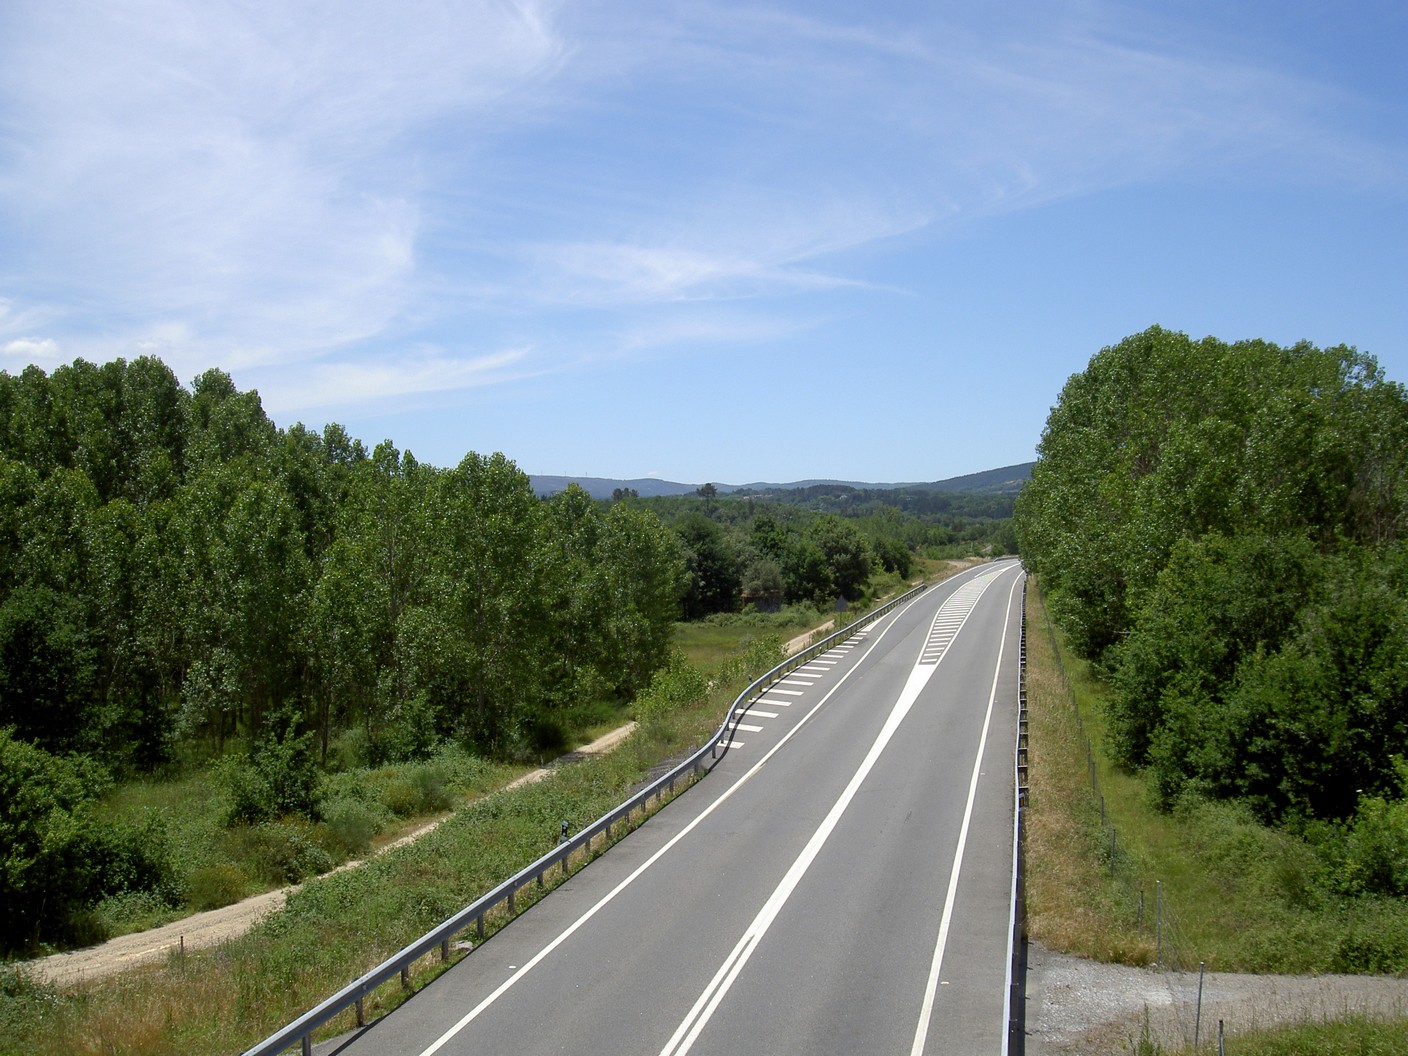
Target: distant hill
1004, 481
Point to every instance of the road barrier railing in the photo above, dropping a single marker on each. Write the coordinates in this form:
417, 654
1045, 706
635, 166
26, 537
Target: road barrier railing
354, 994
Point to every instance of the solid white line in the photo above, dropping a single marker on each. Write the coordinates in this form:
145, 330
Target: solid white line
475, 1012
926, 1010
693, 1024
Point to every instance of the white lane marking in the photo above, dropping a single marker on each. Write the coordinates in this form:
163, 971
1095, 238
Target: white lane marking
693, 1024
754, 713
951, 617
926, 1009
733, 744
478, 1010
746, 728
788, 692
798, 682
773, 702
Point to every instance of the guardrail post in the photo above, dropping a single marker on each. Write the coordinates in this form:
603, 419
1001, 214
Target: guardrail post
444, 950
406, 976
307, 1045
361, 1012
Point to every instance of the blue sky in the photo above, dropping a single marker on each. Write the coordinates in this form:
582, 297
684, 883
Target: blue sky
700, 241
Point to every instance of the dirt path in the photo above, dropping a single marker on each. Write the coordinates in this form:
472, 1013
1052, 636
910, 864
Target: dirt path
220, 925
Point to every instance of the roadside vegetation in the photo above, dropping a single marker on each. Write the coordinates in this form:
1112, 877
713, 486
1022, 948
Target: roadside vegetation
1235, 893
1218, 687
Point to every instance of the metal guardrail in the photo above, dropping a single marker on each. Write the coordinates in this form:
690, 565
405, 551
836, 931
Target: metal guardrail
1015, 1042
354, 994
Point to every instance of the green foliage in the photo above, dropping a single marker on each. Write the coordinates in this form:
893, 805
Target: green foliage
280, 852
676, 685
56, 858
1221, 529
1162, 437
351, 824
280, 777
1355, 1035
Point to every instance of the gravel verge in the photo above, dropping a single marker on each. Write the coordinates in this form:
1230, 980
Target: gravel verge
1080, 1006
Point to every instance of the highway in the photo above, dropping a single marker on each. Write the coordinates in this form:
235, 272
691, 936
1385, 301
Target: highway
841, 882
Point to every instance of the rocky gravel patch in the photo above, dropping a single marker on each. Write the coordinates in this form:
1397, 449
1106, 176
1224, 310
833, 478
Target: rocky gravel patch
1080, 1006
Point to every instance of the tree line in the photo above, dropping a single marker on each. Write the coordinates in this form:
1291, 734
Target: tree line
792, 547
173, 565
1220, 527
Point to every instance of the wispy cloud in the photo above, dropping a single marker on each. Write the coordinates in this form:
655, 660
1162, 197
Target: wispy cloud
244, 171
339, 383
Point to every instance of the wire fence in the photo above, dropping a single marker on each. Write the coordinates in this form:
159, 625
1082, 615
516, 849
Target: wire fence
1138, 898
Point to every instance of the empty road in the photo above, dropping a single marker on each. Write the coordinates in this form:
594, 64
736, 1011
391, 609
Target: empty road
840, 883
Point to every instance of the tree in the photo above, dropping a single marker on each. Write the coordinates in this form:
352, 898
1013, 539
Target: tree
644, 583
714, 582
45, 874
491, 522
846, 553
1220, 527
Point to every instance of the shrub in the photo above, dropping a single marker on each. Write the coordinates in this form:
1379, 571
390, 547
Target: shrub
213, 886
676, 685
280, 852
279, 778
352, 823
48, 873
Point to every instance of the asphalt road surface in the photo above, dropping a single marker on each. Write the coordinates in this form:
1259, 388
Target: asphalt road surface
840, 883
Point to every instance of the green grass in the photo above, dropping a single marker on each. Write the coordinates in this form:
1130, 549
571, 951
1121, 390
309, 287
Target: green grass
1356, 1036
213, 864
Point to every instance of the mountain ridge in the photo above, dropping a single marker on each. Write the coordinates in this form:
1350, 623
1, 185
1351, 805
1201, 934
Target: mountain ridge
1005, 479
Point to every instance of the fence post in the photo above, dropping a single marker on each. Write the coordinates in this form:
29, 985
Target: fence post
1158, 922
1198, 1015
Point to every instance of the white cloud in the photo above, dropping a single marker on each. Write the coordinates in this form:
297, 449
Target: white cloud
41, 351
348, 383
